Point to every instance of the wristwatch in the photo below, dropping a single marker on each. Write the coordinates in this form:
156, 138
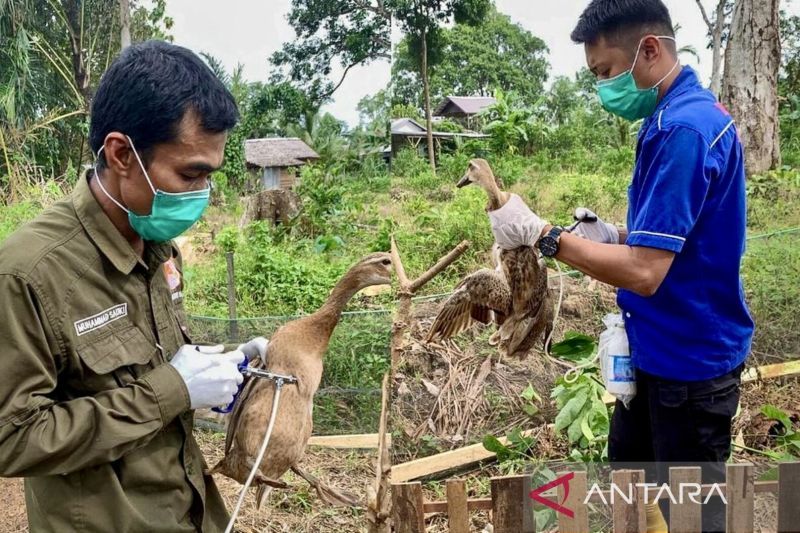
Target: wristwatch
549, 243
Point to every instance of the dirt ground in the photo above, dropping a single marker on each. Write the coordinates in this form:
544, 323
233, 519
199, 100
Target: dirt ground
12, 506
453, 393
294, 510
450, 393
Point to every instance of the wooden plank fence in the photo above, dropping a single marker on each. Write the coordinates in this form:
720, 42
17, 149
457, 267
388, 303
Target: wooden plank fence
511, 506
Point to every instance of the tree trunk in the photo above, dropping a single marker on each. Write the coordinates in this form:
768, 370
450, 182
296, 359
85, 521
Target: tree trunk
716, 49
277, 207
427, 97
72, 12
750, 82
125, 24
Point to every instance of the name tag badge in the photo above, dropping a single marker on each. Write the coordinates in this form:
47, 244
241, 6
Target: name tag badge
85, 325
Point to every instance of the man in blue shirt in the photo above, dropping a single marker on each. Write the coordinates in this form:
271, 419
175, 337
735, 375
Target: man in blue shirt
677, 264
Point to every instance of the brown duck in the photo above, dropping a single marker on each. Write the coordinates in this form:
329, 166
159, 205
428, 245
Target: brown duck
297, 349
514, 296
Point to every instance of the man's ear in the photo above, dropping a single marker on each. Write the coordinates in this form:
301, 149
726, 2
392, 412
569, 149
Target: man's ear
118, 155
652, 48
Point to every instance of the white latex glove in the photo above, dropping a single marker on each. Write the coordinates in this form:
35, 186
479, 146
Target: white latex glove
515, 225
253, 348
211, 377
597, 231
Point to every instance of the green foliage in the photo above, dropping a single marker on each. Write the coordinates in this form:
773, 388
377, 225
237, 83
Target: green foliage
474, 59
574, 347
406, 111
14, 215
275, 281
375, 115
47, 79
532, 400
787, 435
789, 89
518, 447
228, 239
407, 163
448, 125
331, 32
358, 355
382, 241
271, 278
770, 270
321, 192
328, 243
582, 414
515, 128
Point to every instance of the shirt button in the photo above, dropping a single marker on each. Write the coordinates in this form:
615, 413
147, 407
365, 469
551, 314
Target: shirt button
627, 315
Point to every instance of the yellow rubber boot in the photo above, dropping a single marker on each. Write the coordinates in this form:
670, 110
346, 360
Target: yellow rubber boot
655, 520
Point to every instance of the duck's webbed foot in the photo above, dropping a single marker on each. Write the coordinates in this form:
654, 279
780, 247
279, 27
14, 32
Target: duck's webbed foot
327, 494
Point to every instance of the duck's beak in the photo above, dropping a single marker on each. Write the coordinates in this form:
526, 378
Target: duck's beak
464, 181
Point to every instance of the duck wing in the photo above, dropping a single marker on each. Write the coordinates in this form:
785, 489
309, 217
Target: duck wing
526, 278
481, 296
248, 385
531, 312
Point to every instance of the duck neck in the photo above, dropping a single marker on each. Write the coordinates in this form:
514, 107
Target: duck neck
497, 198
331, 310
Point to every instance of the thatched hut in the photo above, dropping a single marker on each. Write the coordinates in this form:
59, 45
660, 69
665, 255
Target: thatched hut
273, 162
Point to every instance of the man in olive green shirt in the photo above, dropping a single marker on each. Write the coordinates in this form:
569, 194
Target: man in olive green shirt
98, 375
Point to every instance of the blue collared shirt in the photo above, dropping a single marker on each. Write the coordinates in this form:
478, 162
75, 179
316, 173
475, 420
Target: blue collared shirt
688, 196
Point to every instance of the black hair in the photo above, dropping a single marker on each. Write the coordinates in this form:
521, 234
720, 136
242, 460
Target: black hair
622, 22
147, 90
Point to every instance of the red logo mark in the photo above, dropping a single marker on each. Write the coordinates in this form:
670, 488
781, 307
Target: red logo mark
722, 108
537, 494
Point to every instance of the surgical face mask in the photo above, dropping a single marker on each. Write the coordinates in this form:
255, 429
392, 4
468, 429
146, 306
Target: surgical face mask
171, 213
620, 95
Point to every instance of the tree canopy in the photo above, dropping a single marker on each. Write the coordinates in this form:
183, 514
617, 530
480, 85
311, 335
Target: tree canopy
52, 55
331, 33
475, 60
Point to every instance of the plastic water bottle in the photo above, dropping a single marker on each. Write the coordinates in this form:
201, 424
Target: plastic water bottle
616, 367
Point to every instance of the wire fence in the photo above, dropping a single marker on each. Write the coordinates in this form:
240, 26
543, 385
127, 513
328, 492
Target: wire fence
348, 400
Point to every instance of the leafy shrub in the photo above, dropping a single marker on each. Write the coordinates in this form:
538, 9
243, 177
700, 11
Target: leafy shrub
12, 216
408, 163
321, 192
582, 414
773, 199
228, 239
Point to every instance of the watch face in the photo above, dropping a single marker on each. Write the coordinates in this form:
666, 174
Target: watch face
548, 245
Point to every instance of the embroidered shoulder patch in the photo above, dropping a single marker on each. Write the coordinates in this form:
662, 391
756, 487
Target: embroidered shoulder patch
102, 318
172, 274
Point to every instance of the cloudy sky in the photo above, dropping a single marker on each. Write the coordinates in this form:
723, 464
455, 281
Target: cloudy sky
248, 31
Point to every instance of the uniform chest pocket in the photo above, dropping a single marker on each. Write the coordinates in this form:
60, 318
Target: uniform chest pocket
116, 359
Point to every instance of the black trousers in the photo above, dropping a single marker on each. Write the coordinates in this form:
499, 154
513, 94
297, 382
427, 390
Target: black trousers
675, 423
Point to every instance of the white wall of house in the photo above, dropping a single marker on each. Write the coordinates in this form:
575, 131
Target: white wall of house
271, 178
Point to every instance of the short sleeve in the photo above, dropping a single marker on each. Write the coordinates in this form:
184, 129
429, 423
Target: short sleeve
673, 185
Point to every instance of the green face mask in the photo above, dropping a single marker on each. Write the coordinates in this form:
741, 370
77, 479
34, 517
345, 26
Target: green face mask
171, 213
621, 96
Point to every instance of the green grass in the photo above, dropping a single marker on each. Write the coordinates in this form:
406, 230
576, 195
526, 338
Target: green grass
14, 215
770, 271
350, 214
